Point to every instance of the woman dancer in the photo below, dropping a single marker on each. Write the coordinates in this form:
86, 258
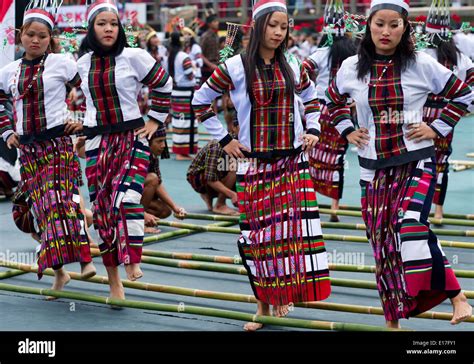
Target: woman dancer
281, 242
389, 83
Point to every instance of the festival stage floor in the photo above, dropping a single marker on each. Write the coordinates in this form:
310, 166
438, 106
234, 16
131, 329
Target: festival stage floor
29, 312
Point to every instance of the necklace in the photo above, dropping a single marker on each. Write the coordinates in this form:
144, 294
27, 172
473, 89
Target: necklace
267, 102
16, 81
383, 73
30, 85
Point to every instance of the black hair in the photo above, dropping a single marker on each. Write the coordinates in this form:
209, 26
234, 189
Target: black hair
404, 53
173, 49
90, 42
341, 48
251, 56
446, 51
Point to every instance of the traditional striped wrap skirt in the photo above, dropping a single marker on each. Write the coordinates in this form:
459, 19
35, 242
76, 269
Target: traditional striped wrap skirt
117, 166
412, 272
443, 147
326, 160
281, 241
185, 126
49, 181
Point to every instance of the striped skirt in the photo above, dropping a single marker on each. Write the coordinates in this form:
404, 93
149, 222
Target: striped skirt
117, 166
281, 241
185, 127
49, 177
326, 160
412, 272
443, 147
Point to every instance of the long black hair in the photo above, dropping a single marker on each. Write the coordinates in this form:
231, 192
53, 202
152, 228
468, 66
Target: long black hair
174, 48
404, 53
252, 54
90, 42
341, 48
446, 50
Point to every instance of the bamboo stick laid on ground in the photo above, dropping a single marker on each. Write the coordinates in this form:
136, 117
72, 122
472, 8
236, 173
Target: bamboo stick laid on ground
197, 310
444, 221
182, 232
357, 208
234, 297
328, 225
238, 261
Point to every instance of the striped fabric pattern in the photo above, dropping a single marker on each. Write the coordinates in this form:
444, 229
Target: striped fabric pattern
454, 110
443, 146
5, 122
281, 243
185, 127
413, 273
49, 172
159, 101
34, 115
326, 159
103, 90
188, 67
386, 99
117, 166
272, 125
336, 100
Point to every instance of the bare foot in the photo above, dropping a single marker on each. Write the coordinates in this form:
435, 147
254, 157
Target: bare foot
87, 270
263, 309
207, 199
280, 311
133, 271
61, 278
334, 218
152, 230
462, 310
225, 210
116, 291
393, 324
181, 157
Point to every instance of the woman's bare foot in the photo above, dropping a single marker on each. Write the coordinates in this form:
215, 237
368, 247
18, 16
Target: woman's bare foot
87, 270
181, 157
263, 309
208, 200
61, 278
116, 286
438, 215
393, 324
225, 210
334, 218
280, 311
462, 310
133, 271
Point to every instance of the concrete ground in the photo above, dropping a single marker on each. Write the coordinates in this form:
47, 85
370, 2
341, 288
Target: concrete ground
25, 312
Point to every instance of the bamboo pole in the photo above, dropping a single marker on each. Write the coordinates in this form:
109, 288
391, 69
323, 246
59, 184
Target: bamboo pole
330, 225
234, 297
357, 208
463, 163
445, 221
238, 261
196, 310
173, 234
11, 273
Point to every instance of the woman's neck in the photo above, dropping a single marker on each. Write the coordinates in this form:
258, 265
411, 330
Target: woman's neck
383, 52
266, 54
30, 57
